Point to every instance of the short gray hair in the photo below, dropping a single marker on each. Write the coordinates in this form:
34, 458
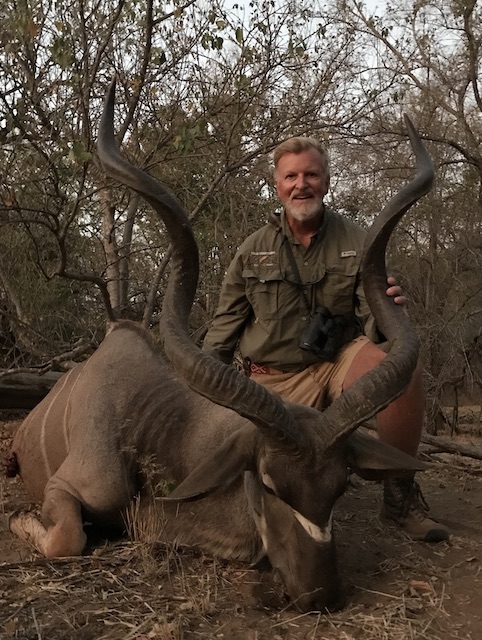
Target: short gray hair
298, 144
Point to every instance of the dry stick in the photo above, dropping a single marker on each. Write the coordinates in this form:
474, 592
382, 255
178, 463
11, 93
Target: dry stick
471, 451
24, 604
37, 628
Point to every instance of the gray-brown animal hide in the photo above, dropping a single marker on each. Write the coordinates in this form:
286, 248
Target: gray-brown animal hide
104, 446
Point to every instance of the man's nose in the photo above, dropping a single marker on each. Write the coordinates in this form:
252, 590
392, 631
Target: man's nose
301, 181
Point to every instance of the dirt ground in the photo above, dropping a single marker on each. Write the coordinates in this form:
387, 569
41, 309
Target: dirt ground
131, 590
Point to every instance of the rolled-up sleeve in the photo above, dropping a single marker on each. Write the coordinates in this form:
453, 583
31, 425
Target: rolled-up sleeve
233, 312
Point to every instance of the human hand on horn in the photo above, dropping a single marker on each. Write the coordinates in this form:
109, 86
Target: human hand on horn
395, 291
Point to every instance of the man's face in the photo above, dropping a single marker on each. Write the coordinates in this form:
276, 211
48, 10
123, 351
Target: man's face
302, 183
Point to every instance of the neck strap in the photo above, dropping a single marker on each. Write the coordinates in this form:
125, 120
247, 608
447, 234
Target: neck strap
296, 272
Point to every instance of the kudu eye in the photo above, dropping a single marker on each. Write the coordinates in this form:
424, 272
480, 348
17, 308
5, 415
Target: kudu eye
269, 490
268, 484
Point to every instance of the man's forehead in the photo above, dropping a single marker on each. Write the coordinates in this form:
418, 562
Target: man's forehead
308, 158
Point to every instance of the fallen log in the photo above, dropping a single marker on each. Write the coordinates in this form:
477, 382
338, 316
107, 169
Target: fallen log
25, 390
25, 387
442, 444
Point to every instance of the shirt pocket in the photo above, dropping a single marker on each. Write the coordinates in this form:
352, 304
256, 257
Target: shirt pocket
264, 290
340, 285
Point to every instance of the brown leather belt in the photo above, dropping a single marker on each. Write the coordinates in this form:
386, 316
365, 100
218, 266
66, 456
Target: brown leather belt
260, 369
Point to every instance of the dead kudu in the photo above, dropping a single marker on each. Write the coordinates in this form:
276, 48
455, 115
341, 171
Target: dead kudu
269, 473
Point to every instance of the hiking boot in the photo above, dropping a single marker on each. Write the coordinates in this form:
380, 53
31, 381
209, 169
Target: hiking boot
404, 503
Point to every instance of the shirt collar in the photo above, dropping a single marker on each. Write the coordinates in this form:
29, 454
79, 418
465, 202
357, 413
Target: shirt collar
316, 237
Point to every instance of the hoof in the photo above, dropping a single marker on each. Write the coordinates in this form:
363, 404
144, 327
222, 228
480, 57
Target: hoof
18, 515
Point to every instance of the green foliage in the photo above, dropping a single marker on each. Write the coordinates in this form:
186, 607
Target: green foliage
78, 153
185, 140
53, 311
61, 52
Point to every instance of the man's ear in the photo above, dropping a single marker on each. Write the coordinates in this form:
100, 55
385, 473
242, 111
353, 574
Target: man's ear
327, 185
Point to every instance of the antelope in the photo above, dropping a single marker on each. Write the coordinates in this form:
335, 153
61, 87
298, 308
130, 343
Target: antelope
255, 476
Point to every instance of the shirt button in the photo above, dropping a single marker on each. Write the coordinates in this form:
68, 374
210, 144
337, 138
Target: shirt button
305, 291
305, 264
304, 318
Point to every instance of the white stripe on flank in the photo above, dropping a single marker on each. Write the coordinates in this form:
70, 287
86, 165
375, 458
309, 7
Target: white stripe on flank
313, 530
44, 420
48, 469
66, 415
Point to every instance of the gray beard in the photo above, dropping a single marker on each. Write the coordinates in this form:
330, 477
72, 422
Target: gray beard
305, 212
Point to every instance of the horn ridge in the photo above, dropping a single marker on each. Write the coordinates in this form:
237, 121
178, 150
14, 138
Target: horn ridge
379, 387
203, 373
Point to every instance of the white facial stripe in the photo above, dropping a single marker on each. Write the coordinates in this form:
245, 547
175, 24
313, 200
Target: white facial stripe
263, 532
313, 530
266, 479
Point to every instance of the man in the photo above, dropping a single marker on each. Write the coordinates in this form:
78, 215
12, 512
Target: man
304, 267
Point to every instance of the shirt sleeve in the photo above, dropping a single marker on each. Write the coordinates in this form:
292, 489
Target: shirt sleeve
233, 312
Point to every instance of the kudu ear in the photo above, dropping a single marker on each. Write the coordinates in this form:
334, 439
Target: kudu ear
374, 460
234, 456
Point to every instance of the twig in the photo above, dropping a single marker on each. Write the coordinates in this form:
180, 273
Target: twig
12, 615
37, 628
471, 451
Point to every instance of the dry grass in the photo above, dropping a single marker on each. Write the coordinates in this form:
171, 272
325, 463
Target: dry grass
181, 595
144, 589
107, 597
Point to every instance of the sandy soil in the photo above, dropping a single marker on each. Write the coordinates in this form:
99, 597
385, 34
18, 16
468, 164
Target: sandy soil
130, 590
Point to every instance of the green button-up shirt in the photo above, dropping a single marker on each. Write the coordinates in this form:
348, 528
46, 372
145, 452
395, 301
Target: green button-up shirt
262, 309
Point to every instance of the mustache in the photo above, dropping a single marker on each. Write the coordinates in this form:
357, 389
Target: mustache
304, 194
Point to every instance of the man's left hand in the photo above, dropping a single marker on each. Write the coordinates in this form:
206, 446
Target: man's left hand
395, 291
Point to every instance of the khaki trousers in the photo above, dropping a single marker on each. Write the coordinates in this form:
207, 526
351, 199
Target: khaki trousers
317, 385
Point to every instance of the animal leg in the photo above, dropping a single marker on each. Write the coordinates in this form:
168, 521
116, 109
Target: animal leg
64, 534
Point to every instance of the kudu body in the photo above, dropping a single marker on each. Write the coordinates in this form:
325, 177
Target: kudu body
268, 472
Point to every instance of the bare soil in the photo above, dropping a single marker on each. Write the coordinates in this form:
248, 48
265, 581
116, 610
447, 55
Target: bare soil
396, 589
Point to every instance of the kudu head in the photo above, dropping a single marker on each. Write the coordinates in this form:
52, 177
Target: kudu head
295, 460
